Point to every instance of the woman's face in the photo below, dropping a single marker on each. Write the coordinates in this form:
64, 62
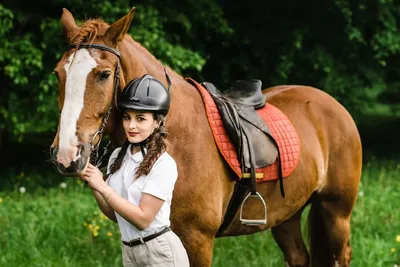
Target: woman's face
138, 125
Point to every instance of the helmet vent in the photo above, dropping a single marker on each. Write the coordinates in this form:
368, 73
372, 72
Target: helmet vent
145, 94
134, 99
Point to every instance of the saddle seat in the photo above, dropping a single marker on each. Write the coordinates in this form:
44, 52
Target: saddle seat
242, 93
251, 136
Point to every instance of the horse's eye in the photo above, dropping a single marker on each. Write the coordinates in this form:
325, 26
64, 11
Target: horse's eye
104, 75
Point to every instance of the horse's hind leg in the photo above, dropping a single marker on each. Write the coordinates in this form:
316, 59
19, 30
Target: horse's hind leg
288, 236
329, 219
330, 236
335, 196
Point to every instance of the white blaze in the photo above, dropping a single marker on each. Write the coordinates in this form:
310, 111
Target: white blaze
77, 69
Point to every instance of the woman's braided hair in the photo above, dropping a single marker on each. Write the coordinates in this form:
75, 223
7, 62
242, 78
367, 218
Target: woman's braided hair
156, 145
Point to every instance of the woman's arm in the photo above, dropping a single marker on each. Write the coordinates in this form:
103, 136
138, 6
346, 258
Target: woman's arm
106, 209
140, 216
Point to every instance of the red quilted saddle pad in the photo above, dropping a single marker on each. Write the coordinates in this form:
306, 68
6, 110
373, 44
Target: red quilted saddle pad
281, 128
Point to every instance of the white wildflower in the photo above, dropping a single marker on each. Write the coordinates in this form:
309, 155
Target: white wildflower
22, 189
63, 185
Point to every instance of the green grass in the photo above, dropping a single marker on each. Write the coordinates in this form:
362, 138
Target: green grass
63, 227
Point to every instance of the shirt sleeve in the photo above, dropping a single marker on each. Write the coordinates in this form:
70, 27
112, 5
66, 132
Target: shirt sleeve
161, 179
112, 158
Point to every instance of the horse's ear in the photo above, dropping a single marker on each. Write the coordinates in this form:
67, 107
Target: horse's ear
119, 28
68, 23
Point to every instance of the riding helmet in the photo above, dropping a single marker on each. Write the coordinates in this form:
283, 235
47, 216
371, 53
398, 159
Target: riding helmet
145, 94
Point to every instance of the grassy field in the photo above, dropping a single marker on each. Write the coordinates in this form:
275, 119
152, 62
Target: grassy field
60, 225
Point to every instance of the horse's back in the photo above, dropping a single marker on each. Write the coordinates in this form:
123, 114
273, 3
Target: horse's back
325, 128
301, 103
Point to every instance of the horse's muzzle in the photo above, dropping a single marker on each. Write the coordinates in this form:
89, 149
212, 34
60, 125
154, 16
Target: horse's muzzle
72, 166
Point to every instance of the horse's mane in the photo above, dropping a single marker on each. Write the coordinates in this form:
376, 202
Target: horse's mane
88, 32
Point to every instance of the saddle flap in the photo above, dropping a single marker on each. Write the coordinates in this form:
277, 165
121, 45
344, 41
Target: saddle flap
263, 146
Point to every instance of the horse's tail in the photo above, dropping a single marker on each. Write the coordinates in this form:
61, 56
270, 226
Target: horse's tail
317, 237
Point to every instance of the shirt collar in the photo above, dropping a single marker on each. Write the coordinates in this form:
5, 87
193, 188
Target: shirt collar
138, 156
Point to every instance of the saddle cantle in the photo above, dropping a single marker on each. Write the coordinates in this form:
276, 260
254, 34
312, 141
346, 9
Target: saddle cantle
247, 130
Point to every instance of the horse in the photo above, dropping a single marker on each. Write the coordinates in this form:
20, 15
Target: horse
103, 57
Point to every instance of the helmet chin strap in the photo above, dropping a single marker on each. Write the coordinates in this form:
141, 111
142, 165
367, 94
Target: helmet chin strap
143, 144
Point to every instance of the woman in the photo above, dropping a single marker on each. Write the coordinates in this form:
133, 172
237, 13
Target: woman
141, 178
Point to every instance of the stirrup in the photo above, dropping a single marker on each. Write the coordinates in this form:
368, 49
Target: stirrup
253, 222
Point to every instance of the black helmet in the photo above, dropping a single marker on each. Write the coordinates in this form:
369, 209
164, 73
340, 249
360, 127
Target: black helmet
146, 94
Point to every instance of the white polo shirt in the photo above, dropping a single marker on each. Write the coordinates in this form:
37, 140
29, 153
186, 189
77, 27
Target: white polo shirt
159, 182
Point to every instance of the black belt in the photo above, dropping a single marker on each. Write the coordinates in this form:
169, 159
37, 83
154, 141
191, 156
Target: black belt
145, 239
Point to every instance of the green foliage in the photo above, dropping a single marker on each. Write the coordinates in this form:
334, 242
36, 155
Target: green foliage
153, 36
6, 17
347, 49
30, 52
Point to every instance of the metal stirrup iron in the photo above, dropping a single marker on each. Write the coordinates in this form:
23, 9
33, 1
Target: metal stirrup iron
253, 191
251, 222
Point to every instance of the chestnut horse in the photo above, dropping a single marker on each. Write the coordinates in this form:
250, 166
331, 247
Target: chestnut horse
327, 175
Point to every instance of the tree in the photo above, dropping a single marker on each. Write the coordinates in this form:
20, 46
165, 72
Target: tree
31, 50
350, 50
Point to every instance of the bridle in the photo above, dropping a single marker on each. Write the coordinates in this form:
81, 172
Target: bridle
99, 134
95, 147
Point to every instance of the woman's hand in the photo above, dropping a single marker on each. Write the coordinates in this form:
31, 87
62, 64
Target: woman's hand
94, 177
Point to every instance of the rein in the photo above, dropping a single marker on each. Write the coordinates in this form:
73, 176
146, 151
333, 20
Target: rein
95, 147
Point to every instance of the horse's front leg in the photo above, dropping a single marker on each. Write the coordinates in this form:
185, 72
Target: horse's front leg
197, 230
199, 204
199, 247
197, 227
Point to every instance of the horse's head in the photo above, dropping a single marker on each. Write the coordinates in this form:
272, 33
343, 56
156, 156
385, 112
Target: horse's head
88, 80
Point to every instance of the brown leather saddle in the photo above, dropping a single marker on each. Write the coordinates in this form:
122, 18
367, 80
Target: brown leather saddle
237, 105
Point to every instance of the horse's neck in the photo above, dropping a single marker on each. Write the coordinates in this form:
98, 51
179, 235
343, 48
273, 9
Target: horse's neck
137, 61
